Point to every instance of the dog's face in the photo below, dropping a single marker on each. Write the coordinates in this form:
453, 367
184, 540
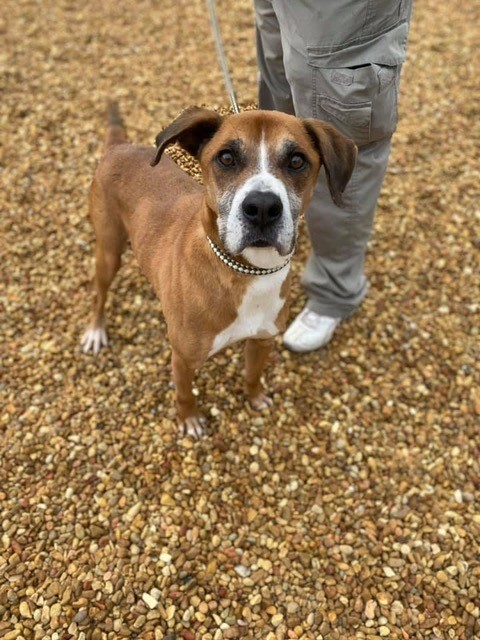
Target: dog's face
259, 169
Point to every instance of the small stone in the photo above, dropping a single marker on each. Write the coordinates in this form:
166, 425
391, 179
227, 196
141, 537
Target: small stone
242, 570
384, 598
370, 607
139, 622
397, 607
251, 515
149, 600
97, 531
80, 616
170, 612
384, 631
167, 501
203, 607
133, 511
276, 619
166, 558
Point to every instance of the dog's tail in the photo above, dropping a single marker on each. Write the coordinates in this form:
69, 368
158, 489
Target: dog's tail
116, 132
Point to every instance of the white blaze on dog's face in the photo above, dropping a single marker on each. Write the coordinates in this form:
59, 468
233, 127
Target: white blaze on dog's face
259, 172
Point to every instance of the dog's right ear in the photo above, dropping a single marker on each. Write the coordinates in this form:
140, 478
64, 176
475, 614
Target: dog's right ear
192, 129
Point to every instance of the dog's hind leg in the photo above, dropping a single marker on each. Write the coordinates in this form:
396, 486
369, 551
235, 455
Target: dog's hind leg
110, 242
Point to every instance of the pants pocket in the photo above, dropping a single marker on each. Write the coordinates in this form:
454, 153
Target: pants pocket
360, 101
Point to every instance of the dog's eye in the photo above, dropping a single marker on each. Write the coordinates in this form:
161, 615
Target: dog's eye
297, 162
226, 159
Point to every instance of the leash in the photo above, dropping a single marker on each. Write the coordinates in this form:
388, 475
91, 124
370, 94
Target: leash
221, 55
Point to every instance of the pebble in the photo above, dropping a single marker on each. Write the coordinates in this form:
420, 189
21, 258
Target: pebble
149, 600
170, 612
133, 511
167, 501
166, 558
139, 622
80, 616
277, 619
370, 607
242, 570
55, 610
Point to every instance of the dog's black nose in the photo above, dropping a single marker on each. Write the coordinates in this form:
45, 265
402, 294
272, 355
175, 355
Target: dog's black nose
262, 208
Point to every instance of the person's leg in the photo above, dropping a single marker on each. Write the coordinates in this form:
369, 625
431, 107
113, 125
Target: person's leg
334, 278
351, 83
273, 88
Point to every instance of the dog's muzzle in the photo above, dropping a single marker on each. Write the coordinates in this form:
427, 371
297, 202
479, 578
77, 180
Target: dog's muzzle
262, 212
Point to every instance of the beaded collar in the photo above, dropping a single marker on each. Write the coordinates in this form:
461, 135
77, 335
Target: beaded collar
243, 268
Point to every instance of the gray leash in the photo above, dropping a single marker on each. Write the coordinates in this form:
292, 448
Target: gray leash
221, 54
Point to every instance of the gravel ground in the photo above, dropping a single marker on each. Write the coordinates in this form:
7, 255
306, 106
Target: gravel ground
351, 509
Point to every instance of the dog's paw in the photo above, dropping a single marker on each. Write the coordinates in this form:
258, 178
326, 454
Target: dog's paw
193, 426
94, 339
262, 401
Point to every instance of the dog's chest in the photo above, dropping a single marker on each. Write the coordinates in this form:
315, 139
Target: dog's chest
257, 313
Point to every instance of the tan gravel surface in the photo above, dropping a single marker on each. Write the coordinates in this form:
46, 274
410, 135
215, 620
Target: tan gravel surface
349, 510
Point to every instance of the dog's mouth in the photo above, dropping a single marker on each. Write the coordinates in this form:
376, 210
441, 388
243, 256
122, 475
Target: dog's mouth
261, 243
250, 237
263, 240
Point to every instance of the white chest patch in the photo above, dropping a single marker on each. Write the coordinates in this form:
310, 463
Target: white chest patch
257, 313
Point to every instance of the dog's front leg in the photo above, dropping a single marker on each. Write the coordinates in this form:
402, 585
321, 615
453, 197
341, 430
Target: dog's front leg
191, 421
256, 356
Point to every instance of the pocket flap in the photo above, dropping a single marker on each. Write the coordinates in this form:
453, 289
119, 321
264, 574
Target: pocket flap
353, 115
388, 49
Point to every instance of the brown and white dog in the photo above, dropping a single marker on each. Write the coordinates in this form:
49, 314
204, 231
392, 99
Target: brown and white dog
218, 257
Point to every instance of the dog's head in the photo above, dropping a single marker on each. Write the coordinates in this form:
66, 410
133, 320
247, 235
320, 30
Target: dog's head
259, 170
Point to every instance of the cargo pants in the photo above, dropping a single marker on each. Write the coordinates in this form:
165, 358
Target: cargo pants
338, 61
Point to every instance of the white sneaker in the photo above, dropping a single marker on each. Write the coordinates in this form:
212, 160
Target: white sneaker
309, 331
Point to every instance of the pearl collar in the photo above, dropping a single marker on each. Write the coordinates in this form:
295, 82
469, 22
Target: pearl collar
243, 268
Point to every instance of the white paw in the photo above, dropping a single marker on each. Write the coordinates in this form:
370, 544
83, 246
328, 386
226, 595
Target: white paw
94, 340
193, 426
262, 401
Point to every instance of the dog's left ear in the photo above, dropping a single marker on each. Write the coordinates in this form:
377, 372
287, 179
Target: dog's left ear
192, 129
337, 153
